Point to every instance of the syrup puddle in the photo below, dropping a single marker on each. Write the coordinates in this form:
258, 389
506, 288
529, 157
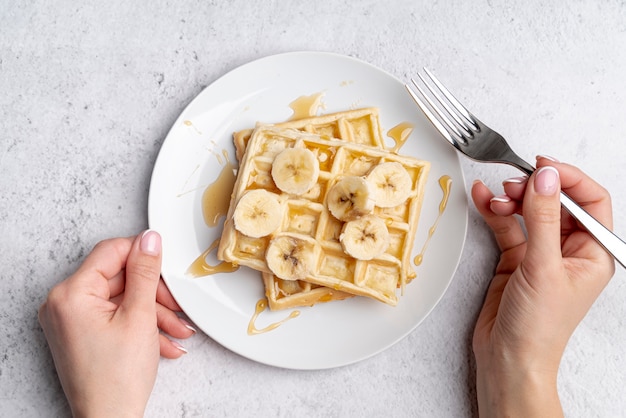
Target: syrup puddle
445, 182
202, 267
306, 106
261, 306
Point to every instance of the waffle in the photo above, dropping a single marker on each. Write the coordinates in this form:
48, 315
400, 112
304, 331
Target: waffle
358, 126
306, 216
286, 294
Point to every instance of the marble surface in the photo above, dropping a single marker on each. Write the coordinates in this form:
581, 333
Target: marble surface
88, 92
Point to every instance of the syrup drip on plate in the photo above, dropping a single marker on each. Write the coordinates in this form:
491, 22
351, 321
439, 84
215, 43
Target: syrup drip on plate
201, 267
445, 182
215, 201
306, 106
261, 306
400, 133
192, 126
216, 196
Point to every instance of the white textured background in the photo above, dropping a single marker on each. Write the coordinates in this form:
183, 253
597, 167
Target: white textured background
88, 91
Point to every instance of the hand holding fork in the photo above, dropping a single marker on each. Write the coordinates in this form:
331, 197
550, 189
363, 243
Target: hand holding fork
546, 280
479, 142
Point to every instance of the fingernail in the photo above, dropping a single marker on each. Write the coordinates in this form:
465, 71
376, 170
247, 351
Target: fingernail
547, 181
547, 157
502, 199
179, 346
516, 180
150, 243
187, 325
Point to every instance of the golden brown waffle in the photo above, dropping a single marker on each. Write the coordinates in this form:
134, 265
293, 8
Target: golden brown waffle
286, 294
360, 126
307, 216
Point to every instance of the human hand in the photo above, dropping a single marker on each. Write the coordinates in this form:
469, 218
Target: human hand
543, 286
102, 325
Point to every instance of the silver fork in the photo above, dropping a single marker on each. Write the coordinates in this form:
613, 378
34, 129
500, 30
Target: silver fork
479, 142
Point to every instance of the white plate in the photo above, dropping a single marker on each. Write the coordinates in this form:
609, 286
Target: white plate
326, 335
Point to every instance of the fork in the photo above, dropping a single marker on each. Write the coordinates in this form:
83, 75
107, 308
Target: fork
477, 141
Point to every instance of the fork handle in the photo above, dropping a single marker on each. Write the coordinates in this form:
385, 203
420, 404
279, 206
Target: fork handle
607, 239
611, 242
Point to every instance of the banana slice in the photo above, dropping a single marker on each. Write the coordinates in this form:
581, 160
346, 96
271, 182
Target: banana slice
365, 238
290, 257
350, 198
258, 213
392, 184
295, 170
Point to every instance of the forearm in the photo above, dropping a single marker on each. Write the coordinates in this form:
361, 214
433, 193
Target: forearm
106, 409
516, 393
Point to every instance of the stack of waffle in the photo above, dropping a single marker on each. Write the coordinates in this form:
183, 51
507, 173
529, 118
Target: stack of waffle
309, 211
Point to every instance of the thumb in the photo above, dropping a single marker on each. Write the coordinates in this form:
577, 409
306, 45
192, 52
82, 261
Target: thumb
542, 217
143, 272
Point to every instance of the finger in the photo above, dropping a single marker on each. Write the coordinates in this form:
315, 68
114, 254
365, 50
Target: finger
165, 301
105, 262
143, 272
107, 258
503, 205
542, 216
515, 187
506, 229
172, 324
590, 195
510, 202
116, 284
167, 320
170, 349
165, 298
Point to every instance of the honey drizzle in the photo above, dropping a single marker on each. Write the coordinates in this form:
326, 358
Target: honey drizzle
306, 106
201, 267
445, 182
260, 307
216, 197
400, 133
213, 208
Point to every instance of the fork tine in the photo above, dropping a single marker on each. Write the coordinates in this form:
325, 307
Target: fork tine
440, 116
462, 110
443, 130
460, 120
